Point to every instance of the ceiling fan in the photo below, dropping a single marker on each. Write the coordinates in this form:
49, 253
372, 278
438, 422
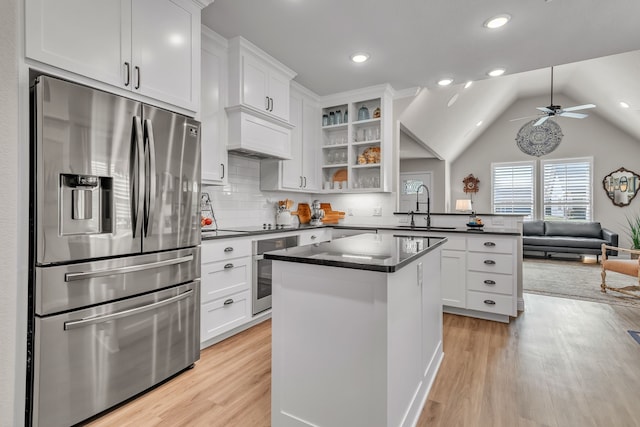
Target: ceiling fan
556, 110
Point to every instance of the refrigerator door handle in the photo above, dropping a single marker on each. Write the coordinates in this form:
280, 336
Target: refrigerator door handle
74, 324
136, 176
83, 275
150, 188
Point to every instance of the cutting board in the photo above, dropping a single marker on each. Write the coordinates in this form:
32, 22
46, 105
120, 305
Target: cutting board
303, 212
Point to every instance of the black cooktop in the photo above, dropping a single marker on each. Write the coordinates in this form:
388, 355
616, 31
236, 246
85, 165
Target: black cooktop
258, 228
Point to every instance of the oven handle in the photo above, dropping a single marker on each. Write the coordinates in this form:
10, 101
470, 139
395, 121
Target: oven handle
123, 270
74, 324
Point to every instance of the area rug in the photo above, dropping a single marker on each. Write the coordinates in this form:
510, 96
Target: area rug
574, 279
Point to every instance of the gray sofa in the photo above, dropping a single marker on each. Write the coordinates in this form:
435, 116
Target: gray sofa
567, 237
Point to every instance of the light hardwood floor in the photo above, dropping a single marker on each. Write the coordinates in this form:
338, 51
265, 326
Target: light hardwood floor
561, 363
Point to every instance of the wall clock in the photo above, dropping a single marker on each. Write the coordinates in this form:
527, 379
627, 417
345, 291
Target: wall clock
470, 184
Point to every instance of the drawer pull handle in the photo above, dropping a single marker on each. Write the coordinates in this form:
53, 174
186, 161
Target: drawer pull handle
489, 282
313, 237
489, 262
227, 266
228, 302
228, 249
489, 302
489, 244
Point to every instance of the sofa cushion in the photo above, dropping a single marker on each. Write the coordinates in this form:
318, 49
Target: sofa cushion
533, 228
563, 241
573, 229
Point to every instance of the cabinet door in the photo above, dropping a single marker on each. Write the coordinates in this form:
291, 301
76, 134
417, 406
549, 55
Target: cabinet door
292, 176
254, 84
90, 37
454, 279
311, 146
166, 51
278, 91
213, 117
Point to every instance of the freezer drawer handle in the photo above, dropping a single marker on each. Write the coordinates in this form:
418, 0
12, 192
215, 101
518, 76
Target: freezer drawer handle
74, 324
69, 277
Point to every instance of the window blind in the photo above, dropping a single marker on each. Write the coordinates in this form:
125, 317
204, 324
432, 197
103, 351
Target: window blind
567, 189
513, 188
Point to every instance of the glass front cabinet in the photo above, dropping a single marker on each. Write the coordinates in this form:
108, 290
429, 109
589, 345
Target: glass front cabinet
357, 140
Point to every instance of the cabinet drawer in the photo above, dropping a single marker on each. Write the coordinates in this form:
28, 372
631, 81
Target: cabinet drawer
455, 243
492, 244
224, 278
315, 236
224, 314
496, 263
491, 303
219, 250
490, 282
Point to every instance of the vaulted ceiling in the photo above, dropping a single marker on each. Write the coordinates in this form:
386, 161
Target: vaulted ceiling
414, 43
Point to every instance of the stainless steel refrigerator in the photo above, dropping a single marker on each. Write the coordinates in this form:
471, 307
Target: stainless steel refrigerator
115, 255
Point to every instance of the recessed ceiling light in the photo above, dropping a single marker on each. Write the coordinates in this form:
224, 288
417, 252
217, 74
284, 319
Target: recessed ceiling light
497, 21
479, 123
445, 82
360, 57
468, 84
497, 72
624, 104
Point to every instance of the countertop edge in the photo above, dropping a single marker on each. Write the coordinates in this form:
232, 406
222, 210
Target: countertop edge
364, 228
357, 266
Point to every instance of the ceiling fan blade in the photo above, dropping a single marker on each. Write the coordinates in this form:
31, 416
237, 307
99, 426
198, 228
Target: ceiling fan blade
573, 115
580, 107
522, 118
541, 121
545, 109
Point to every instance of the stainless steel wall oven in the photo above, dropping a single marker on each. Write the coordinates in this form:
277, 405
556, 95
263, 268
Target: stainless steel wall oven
262, 269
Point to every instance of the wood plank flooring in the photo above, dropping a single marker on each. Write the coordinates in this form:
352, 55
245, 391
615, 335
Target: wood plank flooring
561, 363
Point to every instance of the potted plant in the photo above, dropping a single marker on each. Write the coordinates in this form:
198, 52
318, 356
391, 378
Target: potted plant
634, 233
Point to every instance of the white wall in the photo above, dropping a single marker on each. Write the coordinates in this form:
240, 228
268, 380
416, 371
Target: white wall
241, 202
610, 148
438, 167
10, 345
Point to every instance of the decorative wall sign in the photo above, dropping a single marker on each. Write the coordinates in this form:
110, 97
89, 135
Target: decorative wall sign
470, 184
621, 186
539, 140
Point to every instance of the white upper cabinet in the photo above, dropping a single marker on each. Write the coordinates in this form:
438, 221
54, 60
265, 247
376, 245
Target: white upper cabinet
258, 81
165, 35
212, 114
301, 172
151, 47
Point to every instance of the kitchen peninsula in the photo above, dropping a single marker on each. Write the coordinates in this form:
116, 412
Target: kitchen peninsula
357, 330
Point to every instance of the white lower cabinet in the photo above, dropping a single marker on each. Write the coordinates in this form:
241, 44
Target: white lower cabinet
223, 314
491, 275
225, 295
314, 236
453, 278
479, 274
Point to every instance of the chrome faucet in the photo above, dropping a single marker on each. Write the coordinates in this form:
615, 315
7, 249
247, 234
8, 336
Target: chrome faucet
428, 202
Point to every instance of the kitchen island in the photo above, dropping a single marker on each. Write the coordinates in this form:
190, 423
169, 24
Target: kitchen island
357, 330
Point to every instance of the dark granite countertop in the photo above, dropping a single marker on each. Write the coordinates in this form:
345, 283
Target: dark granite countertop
369, 251
212, 234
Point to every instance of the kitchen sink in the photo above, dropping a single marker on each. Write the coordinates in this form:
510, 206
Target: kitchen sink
425, 228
